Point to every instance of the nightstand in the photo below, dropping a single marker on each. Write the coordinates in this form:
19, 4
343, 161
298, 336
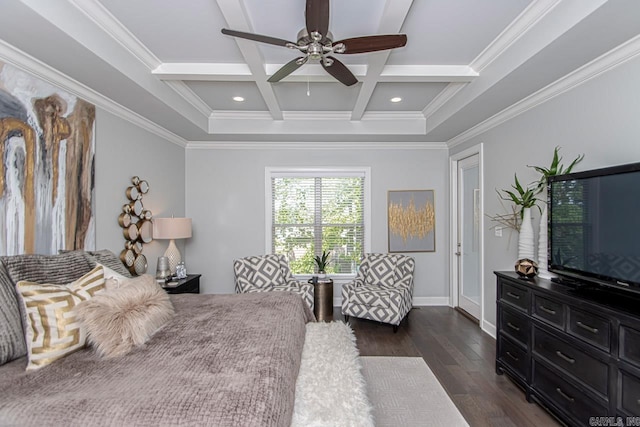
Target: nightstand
190, 285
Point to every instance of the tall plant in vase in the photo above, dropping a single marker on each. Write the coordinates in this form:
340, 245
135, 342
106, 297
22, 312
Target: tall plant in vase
556, 168
525, 198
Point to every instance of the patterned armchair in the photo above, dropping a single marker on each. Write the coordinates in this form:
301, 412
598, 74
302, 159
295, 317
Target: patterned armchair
382, 290
266, 273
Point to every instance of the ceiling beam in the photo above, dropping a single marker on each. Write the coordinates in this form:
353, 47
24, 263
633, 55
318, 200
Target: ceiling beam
236, 17
313, 72
393, 16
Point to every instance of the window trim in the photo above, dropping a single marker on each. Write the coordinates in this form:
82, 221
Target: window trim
271, 171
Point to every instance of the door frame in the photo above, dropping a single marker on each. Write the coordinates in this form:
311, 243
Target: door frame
453, 231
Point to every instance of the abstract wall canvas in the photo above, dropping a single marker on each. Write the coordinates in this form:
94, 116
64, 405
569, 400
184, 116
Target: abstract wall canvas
412, 221
47, 166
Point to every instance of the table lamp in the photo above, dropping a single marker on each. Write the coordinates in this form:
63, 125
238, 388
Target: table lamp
172, 228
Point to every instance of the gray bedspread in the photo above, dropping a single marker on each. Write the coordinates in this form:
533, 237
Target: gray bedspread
224, 360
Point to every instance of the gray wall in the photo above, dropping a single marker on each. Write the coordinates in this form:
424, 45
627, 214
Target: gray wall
124, 150
598, 118
226, 199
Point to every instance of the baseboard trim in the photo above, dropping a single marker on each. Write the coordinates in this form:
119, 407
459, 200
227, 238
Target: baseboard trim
489, 328
430, 301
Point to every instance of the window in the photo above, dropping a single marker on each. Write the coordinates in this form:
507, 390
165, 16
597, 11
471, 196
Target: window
311, 211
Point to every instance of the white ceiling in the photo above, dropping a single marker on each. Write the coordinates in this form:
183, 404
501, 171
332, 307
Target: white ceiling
467, 64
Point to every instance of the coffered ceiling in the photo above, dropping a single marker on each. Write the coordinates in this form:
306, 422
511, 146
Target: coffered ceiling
467, 65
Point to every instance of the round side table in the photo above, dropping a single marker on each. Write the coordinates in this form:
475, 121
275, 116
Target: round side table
323, 300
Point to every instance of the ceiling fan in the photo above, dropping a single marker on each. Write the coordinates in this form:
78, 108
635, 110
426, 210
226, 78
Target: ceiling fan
316, 43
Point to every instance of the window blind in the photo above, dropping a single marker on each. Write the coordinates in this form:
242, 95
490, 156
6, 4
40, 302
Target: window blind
316, 212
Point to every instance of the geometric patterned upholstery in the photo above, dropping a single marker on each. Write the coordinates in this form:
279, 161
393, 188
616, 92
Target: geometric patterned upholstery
265, 273
382, 289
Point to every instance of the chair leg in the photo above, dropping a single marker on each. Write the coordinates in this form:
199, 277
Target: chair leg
346, 319
395, 328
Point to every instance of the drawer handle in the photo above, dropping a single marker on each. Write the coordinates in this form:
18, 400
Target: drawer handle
587, 327
512, 295
565, 357
512, 326
565, 395
515, 358
547, 310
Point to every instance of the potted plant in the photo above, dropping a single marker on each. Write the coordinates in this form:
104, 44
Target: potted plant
556, 168
525, 198
322, 262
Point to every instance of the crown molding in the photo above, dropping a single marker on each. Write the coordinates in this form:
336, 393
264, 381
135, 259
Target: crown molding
604, 63
298, 145
27, 63
108, 23
317, 123
533, 30
535, 11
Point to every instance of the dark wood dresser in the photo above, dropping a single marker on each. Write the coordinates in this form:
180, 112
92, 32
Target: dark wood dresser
574, 349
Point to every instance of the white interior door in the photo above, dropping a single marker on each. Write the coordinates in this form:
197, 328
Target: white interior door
469, 243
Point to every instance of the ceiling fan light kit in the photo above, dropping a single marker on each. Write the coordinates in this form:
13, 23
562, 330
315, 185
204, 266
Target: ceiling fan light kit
316, 43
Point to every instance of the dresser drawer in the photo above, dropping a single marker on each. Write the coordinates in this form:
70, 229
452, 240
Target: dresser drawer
629, 399
572, 360
630, 345
590, 328
565, 395
515, 325
548, 310
517, 297
513, 356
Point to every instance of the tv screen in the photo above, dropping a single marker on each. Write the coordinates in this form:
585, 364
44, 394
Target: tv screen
594, 226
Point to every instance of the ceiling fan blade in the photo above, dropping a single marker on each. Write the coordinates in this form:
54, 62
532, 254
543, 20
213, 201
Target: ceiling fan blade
256, 37
317, 16
373, 43
287, 69
340, 72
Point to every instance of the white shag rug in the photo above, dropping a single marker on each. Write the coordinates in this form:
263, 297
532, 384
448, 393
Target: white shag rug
404, 392
330, 389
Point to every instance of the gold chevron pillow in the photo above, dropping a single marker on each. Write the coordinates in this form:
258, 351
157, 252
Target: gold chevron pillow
53, 331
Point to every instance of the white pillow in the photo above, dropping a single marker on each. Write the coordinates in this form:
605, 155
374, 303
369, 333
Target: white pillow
113, 279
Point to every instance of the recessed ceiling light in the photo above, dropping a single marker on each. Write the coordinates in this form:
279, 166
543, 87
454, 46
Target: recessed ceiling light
238, 98
396, 99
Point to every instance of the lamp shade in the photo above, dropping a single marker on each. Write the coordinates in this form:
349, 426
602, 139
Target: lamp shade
171, 228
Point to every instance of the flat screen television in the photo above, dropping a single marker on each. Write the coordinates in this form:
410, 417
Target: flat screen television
594, 227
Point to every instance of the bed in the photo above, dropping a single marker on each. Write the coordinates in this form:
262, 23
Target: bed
223, 360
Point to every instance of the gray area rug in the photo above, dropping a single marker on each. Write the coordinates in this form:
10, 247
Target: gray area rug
404, 392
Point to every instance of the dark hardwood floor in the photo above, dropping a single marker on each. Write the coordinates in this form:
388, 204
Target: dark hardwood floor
461, 356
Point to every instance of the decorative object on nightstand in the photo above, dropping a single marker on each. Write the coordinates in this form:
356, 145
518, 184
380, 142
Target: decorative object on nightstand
136, 227
188, 285
163, 273
172, 229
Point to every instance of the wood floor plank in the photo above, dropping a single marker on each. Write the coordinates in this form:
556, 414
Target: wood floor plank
462, 358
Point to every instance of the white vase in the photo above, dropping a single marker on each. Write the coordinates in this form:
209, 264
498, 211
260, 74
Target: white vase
542, 246
525, 238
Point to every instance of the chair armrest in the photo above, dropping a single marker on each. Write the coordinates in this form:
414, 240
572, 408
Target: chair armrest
243, 285
405, 282
357, 282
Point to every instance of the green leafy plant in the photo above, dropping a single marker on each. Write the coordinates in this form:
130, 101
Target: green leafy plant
556, 168
525, 197
322, 261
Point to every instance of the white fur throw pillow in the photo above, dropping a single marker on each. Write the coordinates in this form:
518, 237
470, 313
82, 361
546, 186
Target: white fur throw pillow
117, 320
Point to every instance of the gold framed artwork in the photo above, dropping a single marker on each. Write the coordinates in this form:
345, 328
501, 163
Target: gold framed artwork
411, 218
